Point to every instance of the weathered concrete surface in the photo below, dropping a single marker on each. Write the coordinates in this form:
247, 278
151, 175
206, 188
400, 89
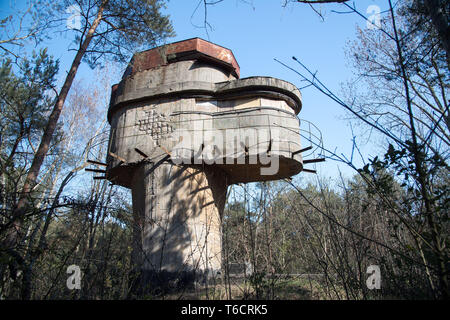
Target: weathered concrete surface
183, 128
190, 49
177, 210
187, 79
249, 124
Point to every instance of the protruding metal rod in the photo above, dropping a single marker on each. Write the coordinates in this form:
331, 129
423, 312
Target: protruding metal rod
245, 147
309, 170
269, 148
166, 158
117, 157
166, 151
97, 163
141, 153
157, 164
302, 150
199, 151
95, 170
314, 160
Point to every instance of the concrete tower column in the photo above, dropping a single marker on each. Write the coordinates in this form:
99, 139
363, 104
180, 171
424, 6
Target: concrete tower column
178, 212
184, 126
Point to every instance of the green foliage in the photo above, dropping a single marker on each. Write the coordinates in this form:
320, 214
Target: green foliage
126, 27
419, 19
25, 98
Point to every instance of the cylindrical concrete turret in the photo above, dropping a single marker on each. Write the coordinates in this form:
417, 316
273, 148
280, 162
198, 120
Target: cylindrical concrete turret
183, 128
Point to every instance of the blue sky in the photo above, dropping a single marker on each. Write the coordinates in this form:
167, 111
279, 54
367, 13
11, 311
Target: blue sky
257, 32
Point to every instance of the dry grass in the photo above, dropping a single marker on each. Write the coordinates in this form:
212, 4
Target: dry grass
241, 289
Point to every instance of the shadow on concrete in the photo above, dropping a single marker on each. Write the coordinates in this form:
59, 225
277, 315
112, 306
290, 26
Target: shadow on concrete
182, 189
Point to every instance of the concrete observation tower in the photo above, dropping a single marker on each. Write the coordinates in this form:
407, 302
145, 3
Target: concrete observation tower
184, 127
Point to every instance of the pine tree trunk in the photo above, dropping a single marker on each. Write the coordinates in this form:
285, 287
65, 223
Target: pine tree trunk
30, 181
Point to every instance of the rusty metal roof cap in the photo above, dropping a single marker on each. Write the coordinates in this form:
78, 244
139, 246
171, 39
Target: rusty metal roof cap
190, 49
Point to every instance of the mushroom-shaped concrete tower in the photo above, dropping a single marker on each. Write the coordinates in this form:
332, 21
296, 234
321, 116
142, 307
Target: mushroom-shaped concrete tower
184, 127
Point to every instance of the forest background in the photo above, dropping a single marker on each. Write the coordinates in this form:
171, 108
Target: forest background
375, 106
